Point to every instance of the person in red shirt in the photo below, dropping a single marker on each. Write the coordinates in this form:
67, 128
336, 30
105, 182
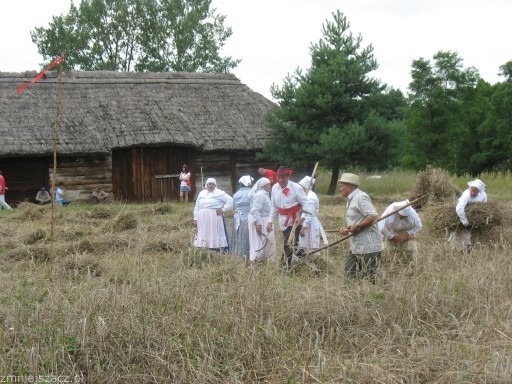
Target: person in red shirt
269, 174
3, 204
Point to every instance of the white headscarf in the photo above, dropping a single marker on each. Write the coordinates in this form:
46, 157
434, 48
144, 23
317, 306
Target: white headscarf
210, 180
306, 182
246, 180
258, 185
406, 211
477, 183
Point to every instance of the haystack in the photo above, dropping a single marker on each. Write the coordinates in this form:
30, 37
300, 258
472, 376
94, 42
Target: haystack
485, 219
436, 184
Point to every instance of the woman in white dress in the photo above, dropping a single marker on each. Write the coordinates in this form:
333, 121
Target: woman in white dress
312, 230
262, 245
211, 203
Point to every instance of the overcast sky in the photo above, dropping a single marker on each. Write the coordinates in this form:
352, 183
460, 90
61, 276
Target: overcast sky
272, 37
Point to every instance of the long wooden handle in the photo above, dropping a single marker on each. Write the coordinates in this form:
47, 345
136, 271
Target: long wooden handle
374, 222
291, 239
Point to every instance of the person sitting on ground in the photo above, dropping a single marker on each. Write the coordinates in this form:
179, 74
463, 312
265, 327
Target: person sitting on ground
60, 198
400, 229
42, 196
98, 196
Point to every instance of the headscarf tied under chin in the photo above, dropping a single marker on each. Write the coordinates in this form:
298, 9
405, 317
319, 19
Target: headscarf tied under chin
258, 185
210, 180
477, 183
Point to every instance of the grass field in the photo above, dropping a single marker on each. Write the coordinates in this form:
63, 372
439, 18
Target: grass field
119, 296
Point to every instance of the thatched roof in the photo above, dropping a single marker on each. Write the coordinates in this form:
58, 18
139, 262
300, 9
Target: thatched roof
104, 110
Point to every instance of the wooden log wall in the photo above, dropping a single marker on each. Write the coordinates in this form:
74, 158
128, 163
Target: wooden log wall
81, 174
227, 168
137, 173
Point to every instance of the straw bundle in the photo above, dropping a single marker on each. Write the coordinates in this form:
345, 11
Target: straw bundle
482, 216
436, 184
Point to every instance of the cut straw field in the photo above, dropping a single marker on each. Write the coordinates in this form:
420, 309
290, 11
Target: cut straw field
119, 296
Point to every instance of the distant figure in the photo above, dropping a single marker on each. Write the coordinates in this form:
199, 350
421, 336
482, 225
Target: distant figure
60, 198
269, 174
42, 196
461, 237
98, 196
185, 183
241, 203
399, 230
3, 189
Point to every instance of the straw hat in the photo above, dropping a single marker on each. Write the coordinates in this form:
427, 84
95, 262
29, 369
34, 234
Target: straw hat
349, 178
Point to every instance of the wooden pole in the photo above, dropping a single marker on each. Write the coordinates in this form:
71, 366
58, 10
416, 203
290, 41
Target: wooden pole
54, 175
374, 222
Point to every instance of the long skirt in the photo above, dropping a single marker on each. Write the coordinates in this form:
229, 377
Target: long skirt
262, 246
241, 238
211, 230
314, 233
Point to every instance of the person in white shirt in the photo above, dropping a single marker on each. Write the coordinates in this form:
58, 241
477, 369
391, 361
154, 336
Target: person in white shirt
312, 230
460, 238
287, 198
262, 244
211, 203
185, 183
400, 229
474, 194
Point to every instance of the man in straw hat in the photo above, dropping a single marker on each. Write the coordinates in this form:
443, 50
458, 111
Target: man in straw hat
399, 230
461, 238
365, 243
287, 199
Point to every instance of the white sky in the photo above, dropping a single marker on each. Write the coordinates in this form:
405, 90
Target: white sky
272, 37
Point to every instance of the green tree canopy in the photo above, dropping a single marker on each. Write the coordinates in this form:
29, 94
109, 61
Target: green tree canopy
325, 114
439, 129
141, 35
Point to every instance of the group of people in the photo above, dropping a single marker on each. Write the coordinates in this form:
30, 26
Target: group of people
294, 207
397, 226
256, 206
43, 196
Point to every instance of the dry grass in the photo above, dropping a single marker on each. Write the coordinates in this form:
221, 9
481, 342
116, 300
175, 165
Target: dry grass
120, 297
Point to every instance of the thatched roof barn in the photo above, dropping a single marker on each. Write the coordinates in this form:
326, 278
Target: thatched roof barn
129, 132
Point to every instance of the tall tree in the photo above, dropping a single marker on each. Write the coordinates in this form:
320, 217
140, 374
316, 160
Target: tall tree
437, 129
323, 112
141, 35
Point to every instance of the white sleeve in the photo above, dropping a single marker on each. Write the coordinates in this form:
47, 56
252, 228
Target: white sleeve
460, 209
417, 224
228, 203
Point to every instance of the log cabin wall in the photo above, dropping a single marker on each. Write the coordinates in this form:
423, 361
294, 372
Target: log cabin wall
150, 174
81, 174
227, 168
